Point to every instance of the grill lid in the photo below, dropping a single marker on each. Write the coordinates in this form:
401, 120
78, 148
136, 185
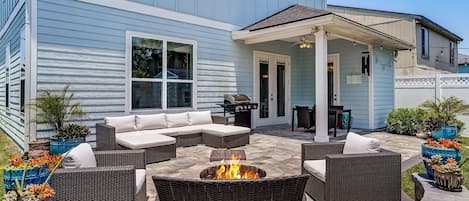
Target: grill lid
237, 98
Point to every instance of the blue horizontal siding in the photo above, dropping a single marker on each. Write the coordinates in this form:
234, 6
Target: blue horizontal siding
11, 119
6, 8
383, 85
84, 45
352, 96
238, 12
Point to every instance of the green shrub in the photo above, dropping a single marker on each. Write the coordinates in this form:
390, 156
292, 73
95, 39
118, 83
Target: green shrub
405, 121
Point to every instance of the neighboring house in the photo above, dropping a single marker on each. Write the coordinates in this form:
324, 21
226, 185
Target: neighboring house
435, 46
148, 56
463, 63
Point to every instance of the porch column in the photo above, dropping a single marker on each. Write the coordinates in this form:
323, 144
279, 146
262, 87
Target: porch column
322, 131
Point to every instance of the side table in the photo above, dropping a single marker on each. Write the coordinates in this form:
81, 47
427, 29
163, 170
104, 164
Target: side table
425, 190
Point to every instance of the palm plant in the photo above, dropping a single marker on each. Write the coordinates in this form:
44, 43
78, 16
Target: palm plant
446, 109
56, 109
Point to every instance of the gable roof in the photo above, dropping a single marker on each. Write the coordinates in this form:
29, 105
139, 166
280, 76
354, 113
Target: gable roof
422, 19
293, 13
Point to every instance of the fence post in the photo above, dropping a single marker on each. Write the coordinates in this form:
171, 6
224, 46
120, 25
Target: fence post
437, 87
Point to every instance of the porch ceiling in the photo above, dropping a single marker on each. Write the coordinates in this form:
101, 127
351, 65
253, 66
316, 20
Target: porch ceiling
336, 26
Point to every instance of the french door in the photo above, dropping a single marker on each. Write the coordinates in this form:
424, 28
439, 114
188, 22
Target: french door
333, 79
271, 88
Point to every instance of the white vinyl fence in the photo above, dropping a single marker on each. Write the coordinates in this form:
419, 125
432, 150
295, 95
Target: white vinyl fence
411, 91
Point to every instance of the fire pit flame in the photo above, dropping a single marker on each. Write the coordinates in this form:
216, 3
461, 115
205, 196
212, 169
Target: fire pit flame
234, 170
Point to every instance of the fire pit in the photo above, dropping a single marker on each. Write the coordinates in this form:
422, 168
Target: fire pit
232, 171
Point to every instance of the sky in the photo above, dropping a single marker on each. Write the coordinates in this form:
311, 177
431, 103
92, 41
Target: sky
451, 14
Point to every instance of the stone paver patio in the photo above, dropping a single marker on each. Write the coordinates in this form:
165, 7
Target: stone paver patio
279, 156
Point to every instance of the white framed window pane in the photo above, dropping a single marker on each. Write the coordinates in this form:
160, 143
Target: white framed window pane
147, 58
146, 95
180, 57
179, 95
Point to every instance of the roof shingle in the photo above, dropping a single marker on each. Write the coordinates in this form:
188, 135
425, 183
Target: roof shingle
291, 14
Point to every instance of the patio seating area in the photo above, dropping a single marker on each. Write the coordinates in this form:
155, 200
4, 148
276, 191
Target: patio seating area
270, 149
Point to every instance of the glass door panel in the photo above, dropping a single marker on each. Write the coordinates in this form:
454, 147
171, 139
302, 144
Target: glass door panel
280, 89
264, 89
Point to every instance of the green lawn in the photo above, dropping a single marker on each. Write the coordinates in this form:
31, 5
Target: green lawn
408, 185
7, 149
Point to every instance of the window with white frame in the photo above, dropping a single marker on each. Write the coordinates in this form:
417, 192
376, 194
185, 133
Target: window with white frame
162, 72
425, 43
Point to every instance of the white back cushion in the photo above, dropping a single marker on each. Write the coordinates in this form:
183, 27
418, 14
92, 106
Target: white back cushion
149, 122
177, 120
121, 124
81, 156
357, 144
199, 118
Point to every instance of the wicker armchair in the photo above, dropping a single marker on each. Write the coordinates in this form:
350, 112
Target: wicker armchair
271, 189
113, 179
364, 177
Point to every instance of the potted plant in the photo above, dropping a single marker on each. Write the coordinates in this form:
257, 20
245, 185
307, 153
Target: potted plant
443, 122
437, 152
438, 127
22, 190
32, 171
56, 110
69, 136
449, 176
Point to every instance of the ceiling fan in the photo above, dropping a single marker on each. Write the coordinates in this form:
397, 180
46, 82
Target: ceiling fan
304, 43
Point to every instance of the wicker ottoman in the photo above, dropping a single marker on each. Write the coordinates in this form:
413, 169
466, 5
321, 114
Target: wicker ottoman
222, 136
157, 147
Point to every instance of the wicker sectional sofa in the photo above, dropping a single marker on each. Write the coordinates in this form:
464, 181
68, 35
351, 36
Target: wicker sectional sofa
160, 134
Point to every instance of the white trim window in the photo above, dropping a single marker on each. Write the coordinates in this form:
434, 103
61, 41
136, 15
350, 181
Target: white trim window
425, 43
162, 72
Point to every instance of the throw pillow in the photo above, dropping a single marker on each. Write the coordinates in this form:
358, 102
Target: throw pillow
81, 156
357, 144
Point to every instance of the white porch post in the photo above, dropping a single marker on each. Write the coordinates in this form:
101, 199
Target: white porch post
322, 131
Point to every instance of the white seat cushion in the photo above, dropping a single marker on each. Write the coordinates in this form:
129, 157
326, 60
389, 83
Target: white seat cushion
143, 141
81, 156
163, 131
186, 130
357, 144
177, 120
148, 122
316, 168
199, 118
121, 124
224, 130
140, 176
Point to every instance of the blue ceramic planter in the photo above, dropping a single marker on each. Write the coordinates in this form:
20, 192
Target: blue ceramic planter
62, 145
429, 151
446, 132
36, 175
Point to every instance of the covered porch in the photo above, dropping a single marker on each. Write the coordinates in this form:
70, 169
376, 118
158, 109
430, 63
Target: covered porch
308, 57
